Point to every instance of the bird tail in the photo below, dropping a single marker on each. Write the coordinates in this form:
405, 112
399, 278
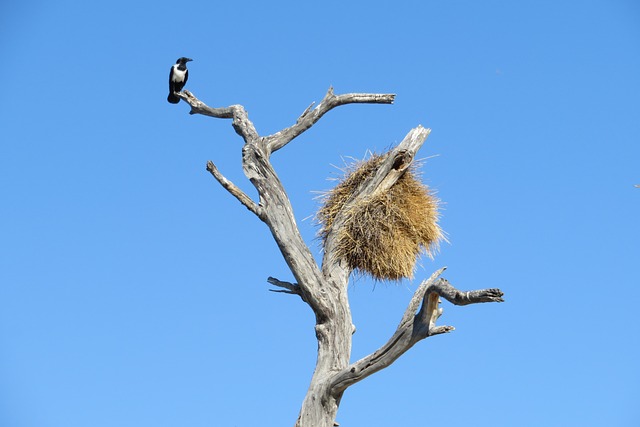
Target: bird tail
173, 98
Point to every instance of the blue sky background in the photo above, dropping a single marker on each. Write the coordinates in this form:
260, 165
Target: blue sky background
133, 287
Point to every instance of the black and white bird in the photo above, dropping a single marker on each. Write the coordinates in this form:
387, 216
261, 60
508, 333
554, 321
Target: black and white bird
178, 78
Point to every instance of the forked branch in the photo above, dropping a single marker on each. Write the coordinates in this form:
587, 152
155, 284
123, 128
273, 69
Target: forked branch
413, 327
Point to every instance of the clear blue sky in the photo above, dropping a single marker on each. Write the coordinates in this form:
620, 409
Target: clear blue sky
133, 288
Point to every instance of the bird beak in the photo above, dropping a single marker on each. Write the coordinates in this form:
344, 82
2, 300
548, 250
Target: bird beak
189, 59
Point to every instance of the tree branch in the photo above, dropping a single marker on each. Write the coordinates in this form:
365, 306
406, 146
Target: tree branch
289, 288
309, 117
412, 328
454, 296
241, 123
235, 191
199, 107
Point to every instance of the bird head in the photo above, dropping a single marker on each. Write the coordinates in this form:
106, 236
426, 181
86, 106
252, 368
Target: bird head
183, 60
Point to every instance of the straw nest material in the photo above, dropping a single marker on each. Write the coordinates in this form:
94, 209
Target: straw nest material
383, 234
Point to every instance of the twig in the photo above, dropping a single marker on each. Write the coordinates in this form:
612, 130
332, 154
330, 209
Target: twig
289, 288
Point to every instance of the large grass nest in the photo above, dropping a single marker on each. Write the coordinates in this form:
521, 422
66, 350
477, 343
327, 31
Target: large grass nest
384, 234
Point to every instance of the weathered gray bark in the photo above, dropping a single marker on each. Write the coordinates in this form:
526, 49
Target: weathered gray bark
324, 288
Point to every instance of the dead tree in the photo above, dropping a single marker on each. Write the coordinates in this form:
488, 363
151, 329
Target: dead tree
324, 288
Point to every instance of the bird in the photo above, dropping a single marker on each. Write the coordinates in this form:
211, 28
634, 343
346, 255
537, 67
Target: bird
178, 78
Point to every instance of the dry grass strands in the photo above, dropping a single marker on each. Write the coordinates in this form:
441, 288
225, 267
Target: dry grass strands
384, 234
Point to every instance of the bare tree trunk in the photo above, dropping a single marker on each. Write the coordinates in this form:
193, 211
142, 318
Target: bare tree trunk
324, 288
